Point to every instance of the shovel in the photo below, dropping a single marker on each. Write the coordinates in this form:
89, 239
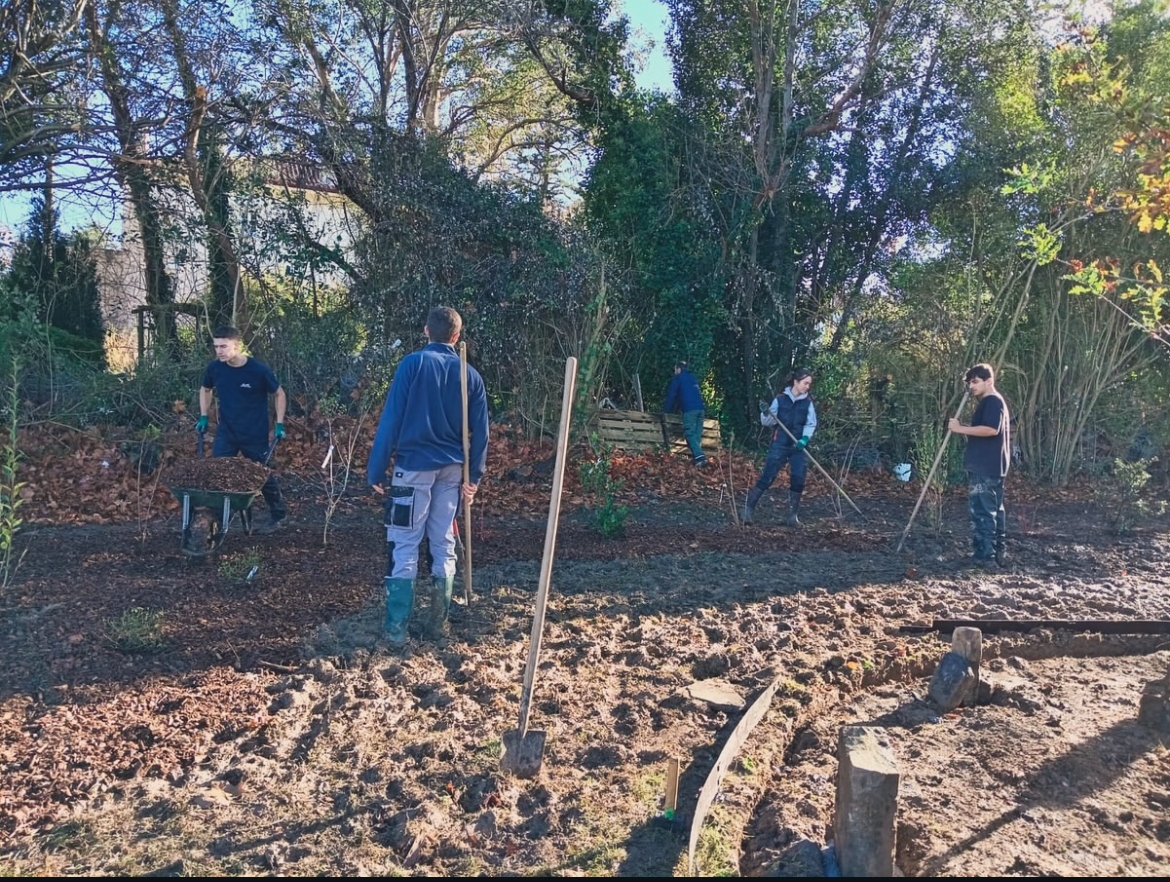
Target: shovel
524, 749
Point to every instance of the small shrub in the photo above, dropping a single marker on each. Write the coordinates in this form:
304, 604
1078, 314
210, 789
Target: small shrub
137, 630
1123, 494
610, 518
10, 487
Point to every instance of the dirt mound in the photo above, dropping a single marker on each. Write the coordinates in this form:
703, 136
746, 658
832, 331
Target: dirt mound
218, 474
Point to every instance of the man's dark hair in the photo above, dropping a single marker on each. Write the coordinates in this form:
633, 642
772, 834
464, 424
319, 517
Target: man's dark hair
982, 371
444, 323
680, 365
226, 332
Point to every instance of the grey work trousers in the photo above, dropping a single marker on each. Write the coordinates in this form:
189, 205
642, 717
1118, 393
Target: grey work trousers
424, 504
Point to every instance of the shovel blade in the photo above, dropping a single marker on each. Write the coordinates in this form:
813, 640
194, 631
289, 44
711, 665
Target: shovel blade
523, 752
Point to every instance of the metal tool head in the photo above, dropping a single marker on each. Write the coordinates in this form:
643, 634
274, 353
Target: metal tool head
523, 752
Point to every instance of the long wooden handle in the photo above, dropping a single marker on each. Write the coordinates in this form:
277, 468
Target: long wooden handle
466, 476
930, 476
828, 477
550, 542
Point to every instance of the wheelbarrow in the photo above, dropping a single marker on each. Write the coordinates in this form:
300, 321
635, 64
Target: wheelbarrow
222, 504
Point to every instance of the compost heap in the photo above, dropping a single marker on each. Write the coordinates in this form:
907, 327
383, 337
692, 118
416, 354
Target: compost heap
218, 474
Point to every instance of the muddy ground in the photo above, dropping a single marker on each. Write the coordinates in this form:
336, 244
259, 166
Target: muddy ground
165, 715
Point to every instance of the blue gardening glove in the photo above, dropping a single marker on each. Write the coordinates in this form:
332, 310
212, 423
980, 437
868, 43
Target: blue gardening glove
802, 443
278, 432
201, 425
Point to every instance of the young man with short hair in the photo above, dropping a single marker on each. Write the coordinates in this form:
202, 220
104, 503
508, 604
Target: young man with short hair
421, 428
242, 384
987, 460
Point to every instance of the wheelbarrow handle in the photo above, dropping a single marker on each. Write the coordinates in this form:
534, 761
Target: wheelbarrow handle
271, 450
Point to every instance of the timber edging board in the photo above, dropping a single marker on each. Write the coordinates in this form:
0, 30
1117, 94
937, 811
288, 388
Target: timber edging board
638, 430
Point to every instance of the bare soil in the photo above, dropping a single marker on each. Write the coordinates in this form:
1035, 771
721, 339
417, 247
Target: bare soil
266, 731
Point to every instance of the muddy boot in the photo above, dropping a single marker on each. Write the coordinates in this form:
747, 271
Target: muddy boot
441, 587
399, 600
793, 509
749, 506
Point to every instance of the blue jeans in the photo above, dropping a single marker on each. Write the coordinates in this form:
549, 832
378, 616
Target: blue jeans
988, 519
784, 451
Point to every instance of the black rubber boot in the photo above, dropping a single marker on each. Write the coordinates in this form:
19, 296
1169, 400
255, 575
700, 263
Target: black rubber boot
749, 506
793, 509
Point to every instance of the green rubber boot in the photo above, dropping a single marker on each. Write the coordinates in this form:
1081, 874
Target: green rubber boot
399, 600
441, 587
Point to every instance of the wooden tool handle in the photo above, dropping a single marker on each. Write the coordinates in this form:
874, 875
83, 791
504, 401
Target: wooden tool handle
550, 542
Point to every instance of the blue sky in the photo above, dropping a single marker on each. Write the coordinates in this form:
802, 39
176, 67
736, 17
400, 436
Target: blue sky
651, 18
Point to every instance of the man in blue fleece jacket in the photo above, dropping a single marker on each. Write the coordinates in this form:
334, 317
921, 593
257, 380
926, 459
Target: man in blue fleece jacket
422, 430
683, 393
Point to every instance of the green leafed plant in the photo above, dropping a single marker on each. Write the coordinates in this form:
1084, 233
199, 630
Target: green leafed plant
1123, 495
10, 487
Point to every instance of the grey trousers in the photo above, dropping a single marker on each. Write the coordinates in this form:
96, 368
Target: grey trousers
423, 504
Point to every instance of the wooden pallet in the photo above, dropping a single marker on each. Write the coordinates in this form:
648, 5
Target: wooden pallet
637, 430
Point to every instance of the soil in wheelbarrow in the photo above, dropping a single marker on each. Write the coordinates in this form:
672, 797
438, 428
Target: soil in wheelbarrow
220, 474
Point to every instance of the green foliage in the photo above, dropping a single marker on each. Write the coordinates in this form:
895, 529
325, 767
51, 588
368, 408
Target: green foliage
609, 518
242, 567
60, 273
10, 486
137, 631
1123, 495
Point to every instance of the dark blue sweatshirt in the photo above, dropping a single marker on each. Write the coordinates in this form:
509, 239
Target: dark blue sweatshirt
683, 392
422, 420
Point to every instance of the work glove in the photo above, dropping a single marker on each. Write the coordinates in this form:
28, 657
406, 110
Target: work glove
201, 425
802, 443
278, 432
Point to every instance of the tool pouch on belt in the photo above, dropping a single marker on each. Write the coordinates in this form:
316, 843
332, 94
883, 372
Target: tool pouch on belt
398, 510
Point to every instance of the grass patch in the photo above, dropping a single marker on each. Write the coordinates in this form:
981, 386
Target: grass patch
137, 631
712, 855
242, 567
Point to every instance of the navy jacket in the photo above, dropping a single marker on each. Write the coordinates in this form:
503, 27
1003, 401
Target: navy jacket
422, 421
683, 392
796, 412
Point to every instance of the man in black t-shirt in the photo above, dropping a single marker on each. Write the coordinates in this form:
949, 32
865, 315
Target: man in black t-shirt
986, 460
242, 385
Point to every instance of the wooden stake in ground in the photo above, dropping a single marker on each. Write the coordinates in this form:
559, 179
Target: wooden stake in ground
466, 476
930, 476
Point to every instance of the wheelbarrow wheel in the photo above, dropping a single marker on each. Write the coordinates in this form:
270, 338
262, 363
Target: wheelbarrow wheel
203, 535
